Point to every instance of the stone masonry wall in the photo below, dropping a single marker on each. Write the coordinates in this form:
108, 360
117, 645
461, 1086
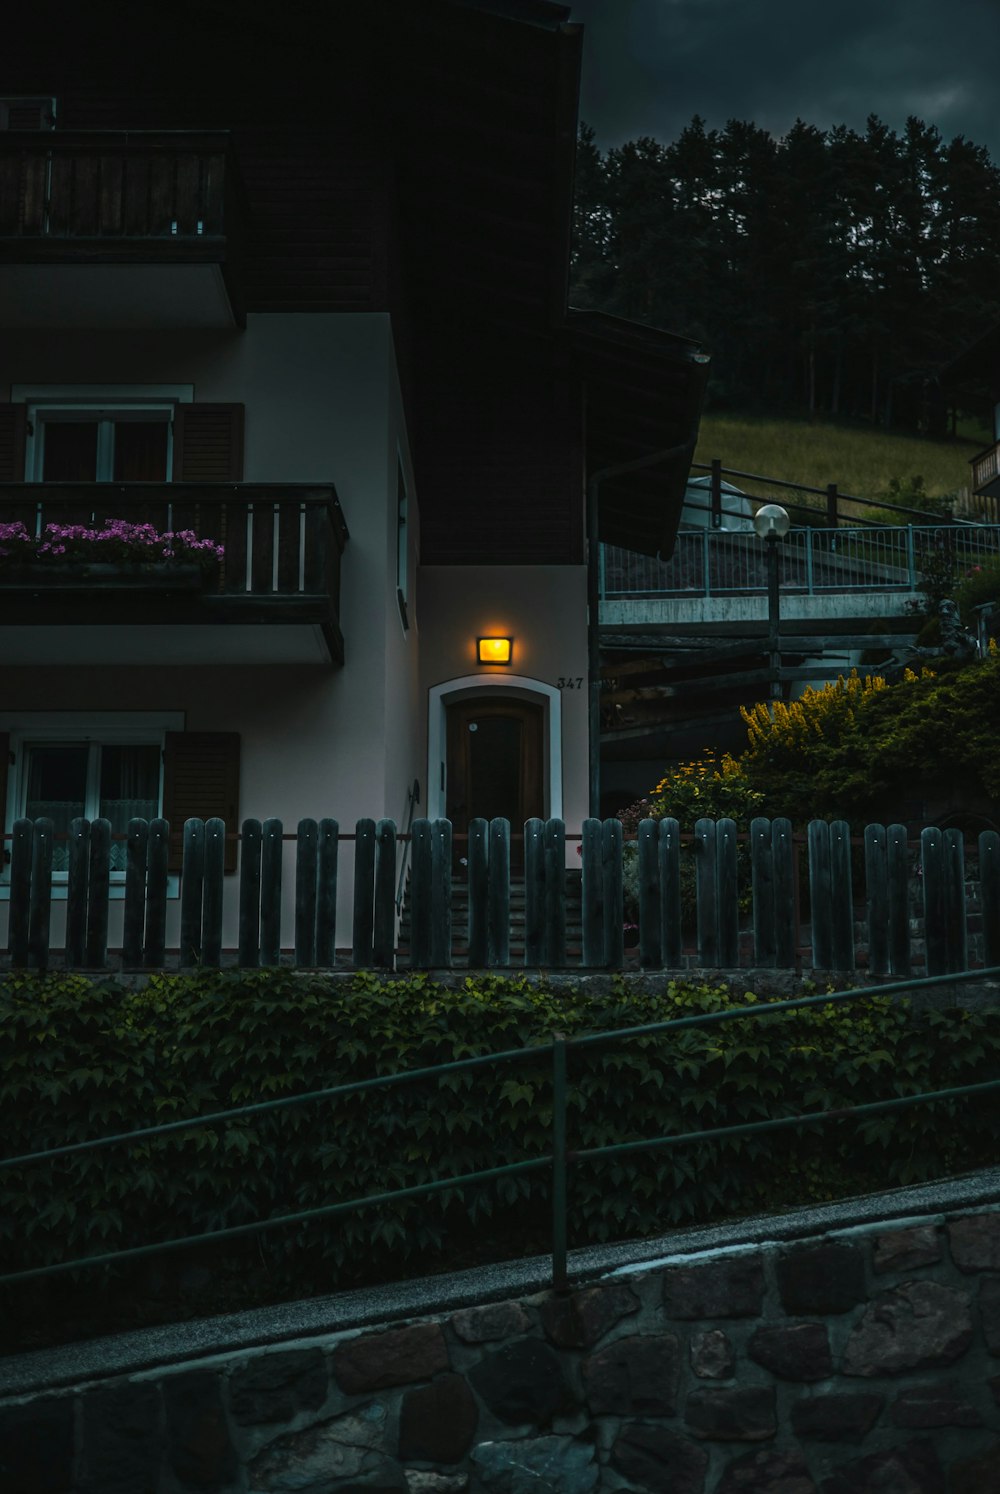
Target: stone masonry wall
861, 1362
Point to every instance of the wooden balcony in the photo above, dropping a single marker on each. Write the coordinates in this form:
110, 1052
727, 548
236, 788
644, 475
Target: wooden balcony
275, 597
986, 472
120, 228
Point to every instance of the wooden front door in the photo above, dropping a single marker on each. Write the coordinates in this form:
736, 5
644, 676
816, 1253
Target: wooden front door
495, 750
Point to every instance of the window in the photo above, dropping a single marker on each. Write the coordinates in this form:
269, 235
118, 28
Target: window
66, 766
85, 444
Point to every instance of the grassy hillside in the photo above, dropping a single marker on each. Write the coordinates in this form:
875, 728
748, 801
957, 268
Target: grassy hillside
860, 460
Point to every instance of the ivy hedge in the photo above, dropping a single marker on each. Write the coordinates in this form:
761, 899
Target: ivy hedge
83, 1058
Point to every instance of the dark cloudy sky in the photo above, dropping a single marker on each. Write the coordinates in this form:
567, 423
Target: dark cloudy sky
649, 65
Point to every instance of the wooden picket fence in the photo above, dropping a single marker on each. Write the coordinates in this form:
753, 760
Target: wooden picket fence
748, 898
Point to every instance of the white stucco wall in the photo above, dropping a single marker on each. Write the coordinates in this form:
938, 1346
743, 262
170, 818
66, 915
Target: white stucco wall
323, 405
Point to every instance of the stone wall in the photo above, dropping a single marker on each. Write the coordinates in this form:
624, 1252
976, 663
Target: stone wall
864, 1361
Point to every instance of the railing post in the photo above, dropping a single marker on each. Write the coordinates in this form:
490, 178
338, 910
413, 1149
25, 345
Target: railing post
306, 868
248, 957
98, 893
560, 1162
384, 925
40, 910
20, 893
135, 893
911, 565
326, 894
809, 562
716, 482
157, 876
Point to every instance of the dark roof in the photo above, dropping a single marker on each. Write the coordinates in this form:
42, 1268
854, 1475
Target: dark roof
644, 392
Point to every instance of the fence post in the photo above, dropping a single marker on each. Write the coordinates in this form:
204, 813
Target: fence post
384, 926
935, 901
728, 895
716, 488
421, 894
326, 894
670, 894
989, 885
956, 917
215, 869
498, 923
842, 945
20, 893
614, 909
877, 898
76, 892
270, 892
706, 884
98, 894
592, 892
40, 910
555, 894
136, 851
306, 848
898, 870
441, 894
478, 874
157, 874
534, 893
762, 882
560, 1162
650, 931
820, 894
364, 894
786, 895
249, 931
192, 886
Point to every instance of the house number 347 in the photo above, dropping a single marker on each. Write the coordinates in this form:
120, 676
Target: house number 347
570, 682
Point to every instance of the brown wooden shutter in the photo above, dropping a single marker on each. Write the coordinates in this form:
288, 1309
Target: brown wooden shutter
4, 766
208, 443
201, 780
12, 431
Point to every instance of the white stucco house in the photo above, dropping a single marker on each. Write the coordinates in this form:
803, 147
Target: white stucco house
302, 288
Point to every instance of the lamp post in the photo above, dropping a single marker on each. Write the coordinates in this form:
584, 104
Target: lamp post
772, 524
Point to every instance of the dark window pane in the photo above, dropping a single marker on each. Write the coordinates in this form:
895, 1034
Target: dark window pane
70, 452
57, 790
140, 451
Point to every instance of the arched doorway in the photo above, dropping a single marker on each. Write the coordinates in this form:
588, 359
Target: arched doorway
494, 760
494, 750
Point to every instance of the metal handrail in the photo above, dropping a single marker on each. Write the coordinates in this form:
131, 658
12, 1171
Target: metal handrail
560, 1157
412, 800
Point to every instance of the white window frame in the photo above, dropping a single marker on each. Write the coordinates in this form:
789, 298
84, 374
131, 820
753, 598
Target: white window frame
103, 402
104, 728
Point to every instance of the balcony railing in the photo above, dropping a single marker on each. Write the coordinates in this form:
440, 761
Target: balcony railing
814, 562
114, 197
986, 471
283, 545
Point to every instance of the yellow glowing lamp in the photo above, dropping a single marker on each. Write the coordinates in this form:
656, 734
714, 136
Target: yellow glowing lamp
494, 650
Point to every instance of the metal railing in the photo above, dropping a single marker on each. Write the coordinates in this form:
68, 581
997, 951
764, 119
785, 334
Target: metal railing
711, 562
559, 1158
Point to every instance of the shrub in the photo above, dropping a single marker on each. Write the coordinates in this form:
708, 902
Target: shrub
83, 1059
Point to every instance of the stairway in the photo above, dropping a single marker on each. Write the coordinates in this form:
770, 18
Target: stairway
573, 891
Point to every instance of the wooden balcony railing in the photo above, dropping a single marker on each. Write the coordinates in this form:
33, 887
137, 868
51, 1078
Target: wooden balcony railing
986, 471
121, 196
283, 544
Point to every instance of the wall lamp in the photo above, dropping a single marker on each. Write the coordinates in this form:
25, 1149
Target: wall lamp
494, 650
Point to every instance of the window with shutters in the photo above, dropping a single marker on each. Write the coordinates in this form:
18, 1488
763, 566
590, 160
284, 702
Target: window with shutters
100, 434
27, 112
137, 433
66, 765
